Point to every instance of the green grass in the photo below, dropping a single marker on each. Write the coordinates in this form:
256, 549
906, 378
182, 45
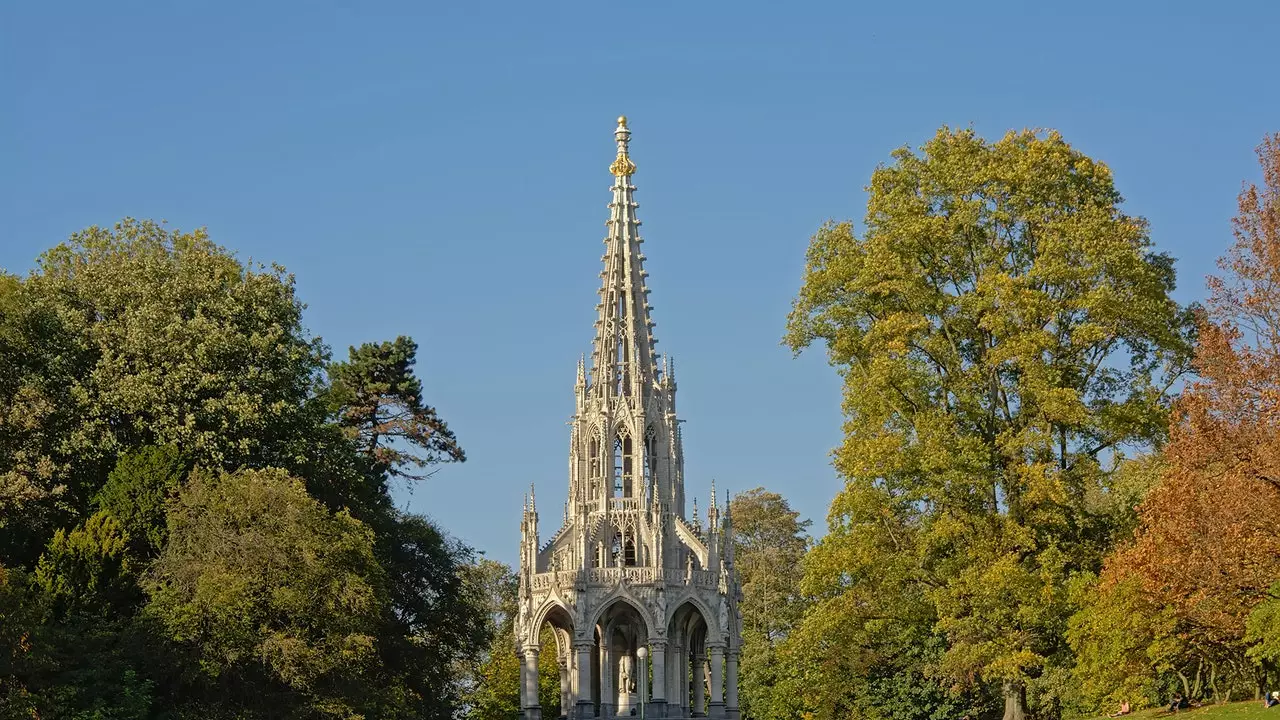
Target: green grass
1251, 710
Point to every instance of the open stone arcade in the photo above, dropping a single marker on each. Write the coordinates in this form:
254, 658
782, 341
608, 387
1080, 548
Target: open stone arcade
642, 600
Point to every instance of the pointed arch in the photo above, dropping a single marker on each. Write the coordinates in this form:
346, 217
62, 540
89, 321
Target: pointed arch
623, 462
621, 596
555, 611
688, 606
650, 454
595, 460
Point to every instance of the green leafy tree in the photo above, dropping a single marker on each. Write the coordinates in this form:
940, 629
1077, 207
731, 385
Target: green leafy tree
135, 353
21, 612
279, 599
88, 569
493, 587
434, 624
493, 678
379, 402
39, 361
136, 491
496, 694
95, 668
770, 541
1125, 645
141, 335
1003, 329
1262, 630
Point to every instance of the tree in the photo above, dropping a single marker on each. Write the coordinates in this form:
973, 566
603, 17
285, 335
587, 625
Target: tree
39, 361
1207, 545
88, 569
493, 686
136, 492
1003, 329
133, 354
275, 596
21, 611
1124, 643
435, 624
379, 402
493, 587
770, 541
140, 335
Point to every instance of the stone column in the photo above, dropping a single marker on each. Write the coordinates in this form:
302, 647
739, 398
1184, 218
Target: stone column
532, 710
658, 655
571, 666
608, 676
715, 709
677, 689
731, 686
566, 694
524, 683
584, 708
699, 686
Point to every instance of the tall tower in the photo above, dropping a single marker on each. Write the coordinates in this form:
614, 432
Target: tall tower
629, 584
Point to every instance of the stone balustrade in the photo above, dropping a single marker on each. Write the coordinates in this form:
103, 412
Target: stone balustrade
610, 576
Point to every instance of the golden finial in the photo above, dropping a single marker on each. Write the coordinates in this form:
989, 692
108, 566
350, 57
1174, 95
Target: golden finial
623, 165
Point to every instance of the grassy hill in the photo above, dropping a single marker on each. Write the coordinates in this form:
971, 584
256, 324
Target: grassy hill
1251, 710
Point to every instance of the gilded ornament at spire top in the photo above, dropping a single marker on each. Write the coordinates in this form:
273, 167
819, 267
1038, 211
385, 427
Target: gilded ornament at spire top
623, 165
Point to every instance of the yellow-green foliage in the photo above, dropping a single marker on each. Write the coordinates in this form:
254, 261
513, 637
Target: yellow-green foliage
1002, 328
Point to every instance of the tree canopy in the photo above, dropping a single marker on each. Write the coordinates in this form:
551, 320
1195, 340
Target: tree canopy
194, 521
1004, 331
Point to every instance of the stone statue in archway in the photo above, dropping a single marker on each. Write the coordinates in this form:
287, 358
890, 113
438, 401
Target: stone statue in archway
627, 683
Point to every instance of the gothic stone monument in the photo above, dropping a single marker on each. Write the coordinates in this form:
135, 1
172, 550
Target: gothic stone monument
642, 601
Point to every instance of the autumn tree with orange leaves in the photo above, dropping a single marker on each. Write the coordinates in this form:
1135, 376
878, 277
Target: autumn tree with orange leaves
1207, 549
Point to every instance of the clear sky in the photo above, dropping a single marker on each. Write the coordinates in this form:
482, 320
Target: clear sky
440, 170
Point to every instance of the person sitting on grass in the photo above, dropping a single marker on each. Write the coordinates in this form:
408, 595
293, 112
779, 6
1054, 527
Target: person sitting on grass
1271, 700
1124, 709
1177, 702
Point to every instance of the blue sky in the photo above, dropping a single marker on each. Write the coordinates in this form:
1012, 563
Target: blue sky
439, 170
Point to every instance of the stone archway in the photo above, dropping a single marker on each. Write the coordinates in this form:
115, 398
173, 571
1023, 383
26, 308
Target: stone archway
687, 671
550, 640
619, 683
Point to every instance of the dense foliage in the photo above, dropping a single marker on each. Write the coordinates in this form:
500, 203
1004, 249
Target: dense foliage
493, 678
195, 519
1206, 557
770, 542
1003, 330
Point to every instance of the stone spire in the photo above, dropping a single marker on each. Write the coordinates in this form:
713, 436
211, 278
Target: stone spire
622, 356
624, 526
713, 512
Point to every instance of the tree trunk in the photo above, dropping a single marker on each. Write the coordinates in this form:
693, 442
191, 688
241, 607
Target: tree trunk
1015, 700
